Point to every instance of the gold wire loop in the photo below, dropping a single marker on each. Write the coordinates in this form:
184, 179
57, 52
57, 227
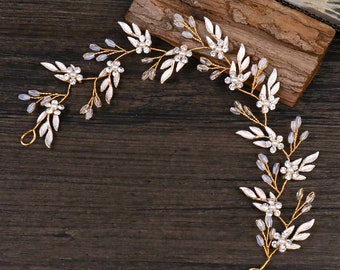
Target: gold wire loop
34, 137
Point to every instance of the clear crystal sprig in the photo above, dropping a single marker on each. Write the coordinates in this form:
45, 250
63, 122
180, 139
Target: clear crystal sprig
277, 232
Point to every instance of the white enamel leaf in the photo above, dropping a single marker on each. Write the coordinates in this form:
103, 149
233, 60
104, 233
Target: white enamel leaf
248, 192
246, 134
116, 79
226, 43
61, 66
43, 129
210, 42
218, 31
275, 88
170, 52
262, 144
272, 79
179, 66
294, 246
270, 131
301, 236
288, 231
60, 77
167, 74
296, 162
245, 63
126, 28
232, 67
49, 138
42, 116
241, 53
136, 29
246, 76
271, 195
311, 158
260, 206
133, 41
55, 122
109, 94
49, 66
260, 193
263, 91
305, 226
147, 35
103, 73
299, 177
307, 168
257, 131
104, 85
167, 63
209, 26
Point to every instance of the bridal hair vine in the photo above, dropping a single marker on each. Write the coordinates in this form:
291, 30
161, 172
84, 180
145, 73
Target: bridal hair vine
237, 71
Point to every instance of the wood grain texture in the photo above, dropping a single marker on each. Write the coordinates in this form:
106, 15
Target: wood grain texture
152, 181
292, 41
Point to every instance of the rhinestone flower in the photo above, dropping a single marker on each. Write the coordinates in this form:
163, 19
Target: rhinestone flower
281, 242
235, 80
73, 75
270, 206
219, 48
54, 107
143, 44
274, 143
114, 68
273, 207
290, 170
266, 103
182, 54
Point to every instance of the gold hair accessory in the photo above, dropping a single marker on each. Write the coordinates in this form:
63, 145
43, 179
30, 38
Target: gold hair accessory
276, 233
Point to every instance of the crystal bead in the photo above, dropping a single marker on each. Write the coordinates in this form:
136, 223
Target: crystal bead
101, 57
24, 97
139, 50
88, 56
227, 80
31, 107
94, 47
110, 43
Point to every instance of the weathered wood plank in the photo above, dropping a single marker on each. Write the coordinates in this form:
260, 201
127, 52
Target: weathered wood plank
293, 42
325, 10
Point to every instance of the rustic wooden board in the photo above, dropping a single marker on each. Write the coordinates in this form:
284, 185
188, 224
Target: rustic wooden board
151, 182
293, 42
